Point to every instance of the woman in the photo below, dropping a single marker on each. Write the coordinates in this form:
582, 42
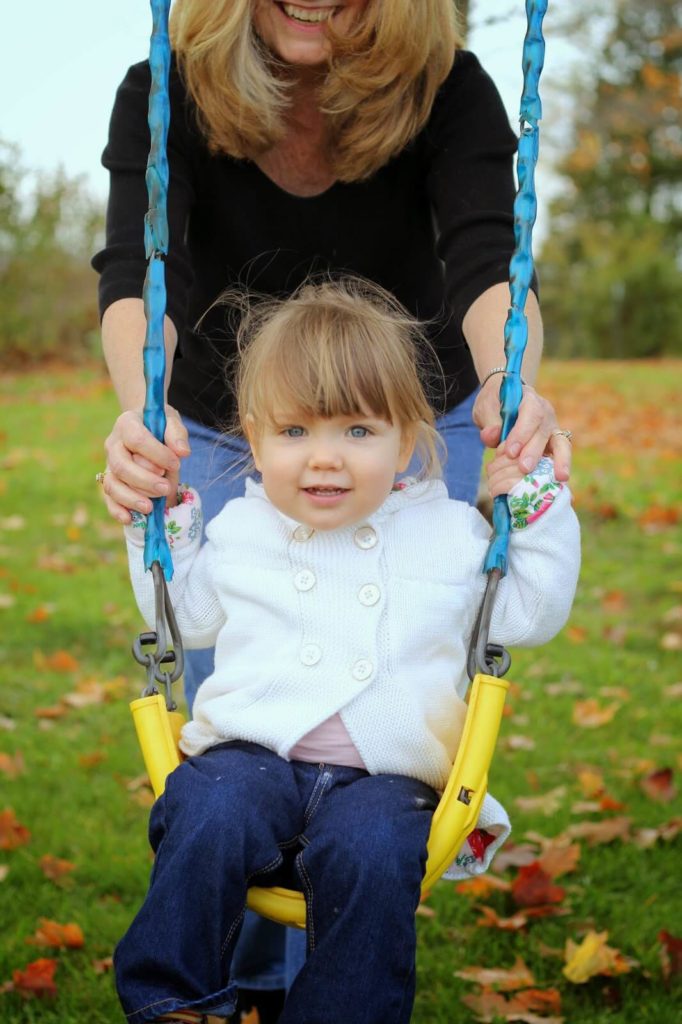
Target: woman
313, 137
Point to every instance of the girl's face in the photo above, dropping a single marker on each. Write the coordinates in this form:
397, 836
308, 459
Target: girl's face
330, 472
297, 32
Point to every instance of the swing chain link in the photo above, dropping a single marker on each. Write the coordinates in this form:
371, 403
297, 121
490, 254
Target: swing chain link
166, 625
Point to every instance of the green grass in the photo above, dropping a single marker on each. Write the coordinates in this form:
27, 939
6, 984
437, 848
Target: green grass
64, 556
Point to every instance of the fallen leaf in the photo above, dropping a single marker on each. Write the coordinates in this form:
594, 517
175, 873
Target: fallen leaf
591, 782
61, 661
559, 860
104, 965
481, 886
7, 601
570, 686
12, 765
671, 955
55, 868
491, 919
4, 871
673, 691
659, 785
515, 855
518, 742
12, 832
547, 804
529, 1007
502, 979
671, 641
597, 832
37, 979
589, 714
576, 634
92, 759
593, 956
40, 614
533, 887
63, 936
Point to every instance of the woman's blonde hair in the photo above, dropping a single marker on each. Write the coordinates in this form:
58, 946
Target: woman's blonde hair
337, 348
377, 93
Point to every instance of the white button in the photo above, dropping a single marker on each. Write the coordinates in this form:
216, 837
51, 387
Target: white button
303, 532
365, 537
362, 669
310, 654
369, 594
304, 580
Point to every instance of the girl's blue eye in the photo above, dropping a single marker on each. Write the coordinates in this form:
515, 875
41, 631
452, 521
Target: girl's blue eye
294, 431
358, 432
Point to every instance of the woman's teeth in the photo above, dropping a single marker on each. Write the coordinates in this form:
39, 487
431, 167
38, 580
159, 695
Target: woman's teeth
305, 14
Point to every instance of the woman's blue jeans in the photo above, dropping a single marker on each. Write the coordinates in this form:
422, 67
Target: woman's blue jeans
354, 843
269, 956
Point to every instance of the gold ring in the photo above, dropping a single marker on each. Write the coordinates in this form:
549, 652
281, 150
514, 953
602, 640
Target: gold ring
99, 477
568, 434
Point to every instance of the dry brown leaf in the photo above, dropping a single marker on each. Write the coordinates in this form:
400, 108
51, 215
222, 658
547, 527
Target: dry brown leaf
55, 868
104, 965
590, 714
529, 1007
12, 832
515, 855
502, 979
559, 860
491, 919
591, 782
4, 871
481, 886
547, 804
593, 956
598, 832
518, 742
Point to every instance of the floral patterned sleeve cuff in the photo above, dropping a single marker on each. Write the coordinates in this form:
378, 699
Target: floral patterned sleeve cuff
183, 522
531, 497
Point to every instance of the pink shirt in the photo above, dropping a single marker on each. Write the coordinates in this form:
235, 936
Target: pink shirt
329, 743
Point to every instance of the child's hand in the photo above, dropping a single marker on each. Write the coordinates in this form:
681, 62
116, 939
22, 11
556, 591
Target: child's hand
503, 472
171, 477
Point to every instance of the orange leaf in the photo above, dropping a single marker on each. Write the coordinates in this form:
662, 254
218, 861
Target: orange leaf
502, 979
61, 661
92, 759
671, 955
533, 887
54, 868
576, 634
481, 886
489, 1006
63, 936
37, 979
40, 614
589, 714
597, 832
592, 957
252, 1017
559, 860
659, 785
12, 832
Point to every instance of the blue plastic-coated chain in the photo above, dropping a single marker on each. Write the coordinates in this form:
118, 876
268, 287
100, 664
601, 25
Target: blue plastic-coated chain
521, 264
156, 247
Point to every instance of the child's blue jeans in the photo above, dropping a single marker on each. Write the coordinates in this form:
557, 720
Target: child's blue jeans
356, 845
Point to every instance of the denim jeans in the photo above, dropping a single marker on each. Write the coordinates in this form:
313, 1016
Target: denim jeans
240, 814
268, 956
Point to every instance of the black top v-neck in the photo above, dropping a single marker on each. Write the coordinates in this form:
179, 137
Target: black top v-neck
434, 226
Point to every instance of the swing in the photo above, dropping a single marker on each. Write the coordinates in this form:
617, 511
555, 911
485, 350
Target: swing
157, 722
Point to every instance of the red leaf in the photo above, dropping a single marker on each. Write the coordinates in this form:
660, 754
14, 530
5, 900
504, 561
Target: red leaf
533, 887
671, 955
36, 980
659, 785
54, 868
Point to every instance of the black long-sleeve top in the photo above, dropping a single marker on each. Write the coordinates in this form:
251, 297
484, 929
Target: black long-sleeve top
434, 226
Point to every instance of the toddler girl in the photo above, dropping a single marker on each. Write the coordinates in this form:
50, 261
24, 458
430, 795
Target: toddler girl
340, 602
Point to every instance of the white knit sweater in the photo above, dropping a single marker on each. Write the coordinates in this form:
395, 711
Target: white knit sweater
371, 621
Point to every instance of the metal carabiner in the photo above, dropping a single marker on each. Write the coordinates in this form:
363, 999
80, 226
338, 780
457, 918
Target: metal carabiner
165, 623
484, 657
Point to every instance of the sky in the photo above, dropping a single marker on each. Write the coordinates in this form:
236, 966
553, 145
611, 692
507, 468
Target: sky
62, 62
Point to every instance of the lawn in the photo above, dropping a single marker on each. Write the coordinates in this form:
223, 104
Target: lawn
587, 763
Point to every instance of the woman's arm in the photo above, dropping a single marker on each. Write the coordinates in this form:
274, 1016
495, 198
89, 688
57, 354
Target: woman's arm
532, 435
135, 459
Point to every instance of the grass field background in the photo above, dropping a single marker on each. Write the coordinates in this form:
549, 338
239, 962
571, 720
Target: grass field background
70, 771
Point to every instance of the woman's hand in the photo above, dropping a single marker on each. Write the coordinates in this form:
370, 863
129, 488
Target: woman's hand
139, 467
534, 434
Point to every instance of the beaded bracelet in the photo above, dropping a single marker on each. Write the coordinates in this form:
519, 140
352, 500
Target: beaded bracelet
497, 369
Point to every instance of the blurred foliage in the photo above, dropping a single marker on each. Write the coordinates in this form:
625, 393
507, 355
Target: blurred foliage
49, 228
611, 264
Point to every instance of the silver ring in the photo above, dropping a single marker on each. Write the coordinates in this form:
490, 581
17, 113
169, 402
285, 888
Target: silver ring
568, 434
99, 477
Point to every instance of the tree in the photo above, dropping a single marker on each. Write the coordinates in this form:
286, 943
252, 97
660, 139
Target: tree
611, 264
49, 228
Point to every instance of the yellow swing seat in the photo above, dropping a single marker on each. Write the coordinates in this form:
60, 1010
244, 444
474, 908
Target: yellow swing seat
158, 731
